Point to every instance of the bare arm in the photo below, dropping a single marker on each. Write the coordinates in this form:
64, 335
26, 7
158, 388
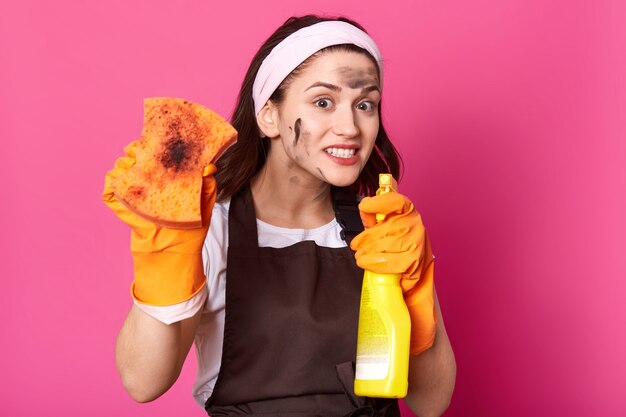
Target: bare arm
150, 354
432, 374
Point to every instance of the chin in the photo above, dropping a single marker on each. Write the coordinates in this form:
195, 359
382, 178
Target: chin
342, 180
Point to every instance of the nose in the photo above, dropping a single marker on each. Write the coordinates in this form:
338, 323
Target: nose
345, 123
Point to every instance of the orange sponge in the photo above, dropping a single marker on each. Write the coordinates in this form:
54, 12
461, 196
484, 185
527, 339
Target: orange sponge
179, 140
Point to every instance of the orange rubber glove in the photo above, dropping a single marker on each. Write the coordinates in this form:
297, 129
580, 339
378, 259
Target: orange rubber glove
399, 245
167, 262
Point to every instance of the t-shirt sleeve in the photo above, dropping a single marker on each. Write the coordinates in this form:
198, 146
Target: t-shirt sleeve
177, 312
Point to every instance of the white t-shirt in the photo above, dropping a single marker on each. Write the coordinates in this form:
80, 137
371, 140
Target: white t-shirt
209, 337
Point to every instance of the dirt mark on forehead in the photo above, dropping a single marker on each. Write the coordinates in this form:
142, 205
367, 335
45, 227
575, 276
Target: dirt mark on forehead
358, 77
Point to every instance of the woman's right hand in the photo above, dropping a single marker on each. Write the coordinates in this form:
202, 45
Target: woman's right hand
167, 262
399, 245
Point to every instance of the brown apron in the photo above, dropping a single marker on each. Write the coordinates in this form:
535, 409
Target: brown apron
290, 328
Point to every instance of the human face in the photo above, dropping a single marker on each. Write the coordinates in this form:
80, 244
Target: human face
328, 121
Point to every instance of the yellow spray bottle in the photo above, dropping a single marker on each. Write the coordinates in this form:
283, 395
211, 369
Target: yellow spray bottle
384, 332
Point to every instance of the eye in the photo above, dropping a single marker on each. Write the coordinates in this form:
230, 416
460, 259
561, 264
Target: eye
323, 103
366, 106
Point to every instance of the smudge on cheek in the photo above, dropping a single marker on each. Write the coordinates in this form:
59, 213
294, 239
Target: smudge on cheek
296, 128
322, 174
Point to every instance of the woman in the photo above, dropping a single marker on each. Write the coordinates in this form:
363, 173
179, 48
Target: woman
278, 336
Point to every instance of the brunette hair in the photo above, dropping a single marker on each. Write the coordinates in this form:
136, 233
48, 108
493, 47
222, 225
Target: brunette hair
245, 158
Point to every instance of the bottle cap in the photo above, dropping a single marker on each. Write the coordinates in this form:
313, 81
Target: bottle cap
384, 180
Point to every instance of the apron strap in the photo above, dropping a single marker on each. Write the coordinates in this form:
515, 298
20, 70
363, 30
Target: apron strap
347, 213
243, 220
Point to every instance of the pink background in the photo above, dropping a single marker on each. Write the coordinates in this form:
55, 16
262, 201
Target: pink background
510, 118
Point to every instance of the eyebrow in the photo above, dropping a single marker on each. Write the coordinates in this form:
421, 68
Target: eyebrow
332, 87
370, 88
336, 88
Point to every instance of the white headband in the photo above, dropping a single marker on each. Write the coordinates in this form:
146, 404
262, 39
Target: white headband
297, 47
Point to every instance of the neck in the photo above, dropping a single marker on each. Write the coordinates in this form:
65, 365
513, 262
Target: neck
290, 200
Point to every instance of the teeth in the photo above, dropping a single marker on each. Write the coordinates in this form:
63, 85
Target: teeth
341, 152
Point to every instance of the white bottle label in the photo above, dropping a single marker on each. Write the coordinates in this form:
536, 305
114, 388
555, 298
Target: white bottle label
371, 367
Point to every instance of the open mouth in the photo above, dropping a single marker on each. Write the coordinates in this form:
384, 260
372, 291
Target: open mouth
341, 152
